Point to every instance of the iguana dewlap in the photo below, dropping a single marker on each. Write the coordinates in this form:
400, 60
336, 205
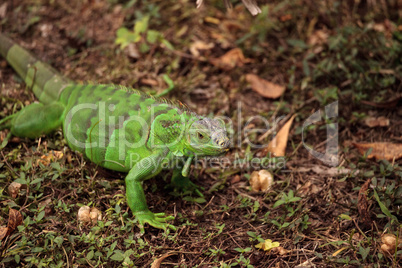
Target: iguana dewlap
116, 128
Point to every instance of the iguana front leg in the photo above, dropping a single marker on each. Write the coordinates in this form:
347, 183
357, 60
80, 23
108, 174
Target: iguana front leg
143, 170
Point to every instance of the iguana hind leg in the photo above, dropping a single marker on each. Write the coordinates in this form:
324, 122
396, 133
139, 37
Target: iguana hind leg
34, 120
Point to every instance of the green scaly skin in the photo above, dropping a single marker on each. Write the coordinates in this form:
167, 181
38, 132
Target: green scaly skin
119, 129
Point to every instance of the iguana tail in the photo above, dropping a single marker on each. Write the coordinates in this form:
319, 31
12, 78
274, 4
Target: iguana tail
45, 81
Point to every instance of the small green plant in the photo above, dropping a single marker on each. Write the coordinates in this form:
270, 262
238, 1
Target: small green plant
287, 199
141, 35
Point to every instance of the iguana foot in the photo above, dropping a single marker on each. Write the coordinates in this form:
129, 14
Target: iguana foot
157, 220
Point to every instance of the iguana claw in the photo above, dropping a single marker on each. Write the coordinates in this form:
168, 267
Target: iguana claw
157, 220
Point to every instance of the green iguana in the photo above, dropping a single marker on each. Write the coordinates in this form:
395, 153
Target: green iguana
115, 128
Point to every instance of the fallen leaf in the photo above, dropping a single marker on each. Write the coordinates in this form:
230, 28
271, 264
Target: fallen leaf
3, 232
308, 188
381, 150
233, 58
267, 245
261, 180
235, 179
377, 121
198, 45
285, 17
278, 145
47, 205
14, 219
265, 88
385, 27
157, 263
280, 250
49, 157
318, 37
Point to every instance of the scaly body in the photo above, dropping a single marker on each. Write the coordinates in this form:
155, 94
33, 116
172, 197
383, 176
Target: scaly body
116, 128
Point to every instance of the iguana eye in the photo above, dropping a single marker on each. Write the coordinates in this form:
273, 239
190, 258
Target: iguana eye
200, 135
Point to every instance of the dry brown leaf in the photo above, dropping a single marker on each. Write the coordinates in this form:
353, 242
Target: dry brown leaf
50, 157
235, 179
198, 45
381, 150
233, 58
278, 145
3, 232
157, 263
280, 250
318, 37
47, 204
265, 88
14, 219
285, 17
381, 121
308, 189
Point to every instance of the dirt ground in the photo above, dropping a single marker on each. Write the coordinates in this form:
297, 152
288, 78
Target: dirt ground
330, 204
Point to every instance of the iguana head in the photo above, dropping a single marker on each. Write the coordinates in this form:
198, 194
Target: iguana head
207, 137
